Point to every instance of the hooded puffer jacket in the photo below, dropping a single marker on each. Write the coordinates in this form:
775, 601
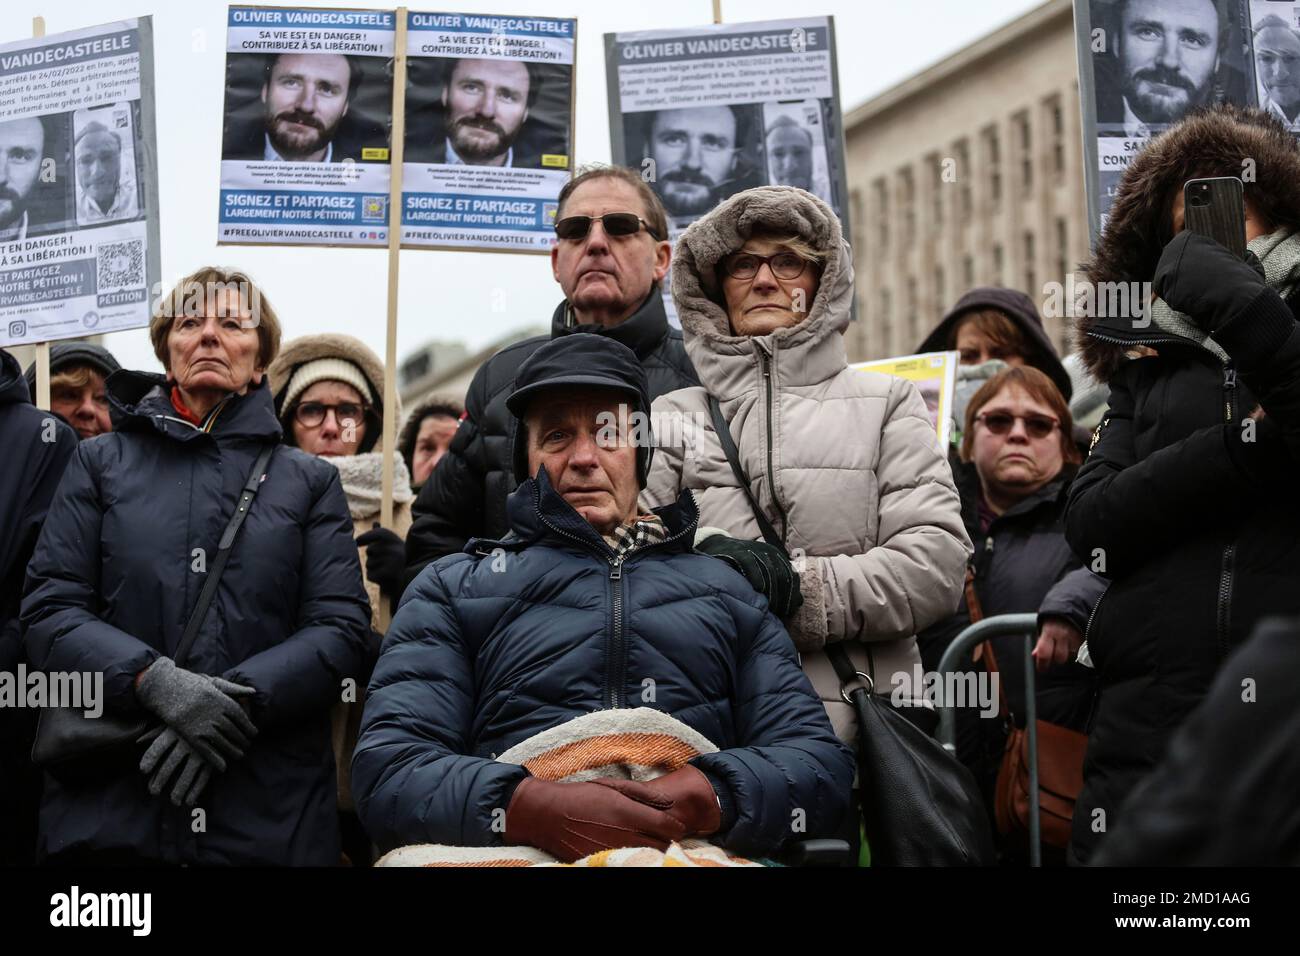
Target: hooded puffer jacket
114, 579
1020, 309
522, 634
845, 464
1188, 501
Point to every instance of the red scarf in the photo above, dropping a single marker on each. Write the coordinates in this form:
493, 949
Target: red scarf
179, 404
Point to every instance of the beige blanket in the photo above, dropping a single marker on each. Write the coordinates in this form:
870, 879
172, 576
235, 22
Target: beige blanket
633, 744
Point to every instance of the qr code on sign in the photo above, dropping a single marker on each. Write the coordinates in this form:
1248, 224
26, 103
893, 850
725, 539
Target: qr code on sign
120, 265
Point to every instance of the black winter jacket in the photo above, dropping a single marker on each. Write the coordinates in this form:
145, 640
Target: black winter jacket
1224, 794
1022, 564
37, 446
1192, 506
487, 650
465, 496
112, 584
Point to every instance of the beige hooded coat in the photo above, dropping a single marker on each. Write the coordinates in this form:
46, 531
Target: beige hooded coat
845, 464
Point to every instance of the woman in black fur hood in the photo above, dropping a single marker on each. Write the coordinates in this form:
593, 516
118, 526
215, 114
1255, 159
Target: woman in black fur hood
1187, 502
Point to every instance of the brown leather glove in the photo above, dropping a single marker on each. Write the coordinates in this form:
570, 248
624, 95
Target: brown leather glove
694, 802
573, 820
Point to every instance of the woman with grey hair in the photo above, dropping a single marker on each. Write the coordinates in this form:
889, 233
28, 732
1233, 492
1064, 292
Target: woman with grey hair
844, 465
208, 573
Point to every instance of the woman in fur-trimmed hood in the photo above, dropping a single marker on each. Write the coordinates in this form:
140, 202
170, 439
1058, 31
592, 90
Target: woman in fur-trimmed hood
845, 464
329, 393
1186, 502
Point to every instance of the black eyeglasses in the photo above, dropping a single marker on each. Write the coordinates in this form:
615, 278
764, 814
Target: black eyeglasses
745, 265
311, 414
615, 223
1001, 423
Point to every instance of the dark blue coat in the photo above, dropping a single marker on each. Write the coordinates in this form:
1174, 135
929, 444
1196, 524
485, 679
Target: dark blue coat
112, 583
36, 446
487, 650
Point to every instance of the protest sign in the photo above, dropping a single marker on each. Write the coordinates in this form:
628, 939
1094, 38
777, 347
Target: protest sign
707, 112
489, 130
79, 212
305, 144
935, 376
1145, 64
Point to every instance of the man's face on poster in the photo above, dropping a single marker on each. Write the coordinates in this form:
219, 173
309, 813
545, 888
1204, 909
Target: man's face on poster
485, 105
789, 156
1169, 50
1277, 59
99, 164
306, 97
694, 153
22, 143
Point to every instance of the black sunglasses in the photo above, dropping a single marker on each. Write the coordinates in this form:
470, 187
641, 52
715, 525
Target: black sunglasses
1001, 423
615, 223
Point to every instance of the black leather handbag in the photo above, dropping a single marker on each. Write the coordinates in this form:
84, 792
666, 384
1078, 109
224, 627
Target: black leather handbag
76, 749
920, 806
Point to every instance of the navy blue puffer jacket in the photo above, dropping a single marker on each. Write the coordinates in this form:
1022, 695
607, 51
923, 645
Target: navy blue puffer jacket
517, 636
112, 583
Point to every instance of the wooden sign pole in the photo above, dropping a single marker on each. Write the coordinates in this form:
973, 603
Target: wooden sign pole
42, 348
717, 11
395, 155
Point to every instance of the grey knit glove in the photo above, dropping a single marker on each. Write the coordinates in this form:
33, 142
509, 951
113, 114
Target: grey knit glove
170, 753
201, 709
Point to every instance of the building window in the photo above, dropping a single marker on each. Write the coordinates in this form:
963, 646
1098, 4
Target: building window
998, 261
882, 215
962, 171
993, 156
1031, 274
913, 314
935, 165
1062, 249
886, 321
1057, 120
1025, 147
907, 204
857, 227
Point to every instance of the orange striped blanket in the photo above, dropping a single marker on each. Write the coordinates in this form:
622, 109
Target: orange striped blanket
633, 744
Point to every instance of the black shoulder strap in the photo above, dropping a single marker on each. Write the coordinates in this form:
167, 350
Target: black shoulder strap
200, 611
733, 458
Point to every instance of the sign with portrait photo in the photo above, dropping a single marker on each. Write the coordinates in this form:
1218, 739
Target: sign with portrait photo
707, 112
79, 195
308, 114
489, 130
1143, 66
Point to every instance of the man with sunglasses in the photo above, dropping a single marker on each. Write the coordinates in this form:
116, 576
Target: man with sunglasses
610, 255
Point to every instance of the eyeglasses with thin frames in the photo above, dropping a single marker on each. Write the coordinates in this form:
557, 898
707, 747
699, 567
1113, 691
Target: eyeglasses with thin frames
312, 414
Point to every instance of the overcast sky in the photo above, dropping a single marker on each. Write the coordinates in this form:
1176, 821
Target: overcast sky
447, 295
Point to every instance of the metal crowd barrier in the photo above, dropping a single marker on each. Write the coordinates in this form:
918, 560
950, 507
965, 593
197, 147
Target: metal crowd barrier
1000, 626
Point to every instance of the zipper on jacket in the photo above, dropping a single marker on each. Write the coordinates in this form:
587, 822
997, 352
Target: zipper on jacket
771, 466
1087, 628
615, 690
614, 695
1223, 614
